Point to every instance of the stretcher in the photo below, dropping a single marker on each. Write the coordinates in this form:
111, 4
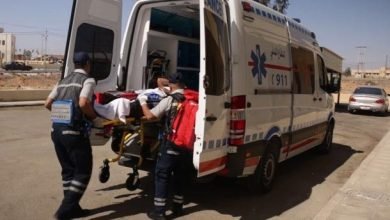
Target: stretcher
133, 143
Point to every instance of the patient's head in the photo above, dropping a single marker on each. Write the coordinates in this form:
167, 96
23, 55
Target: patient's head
176, 81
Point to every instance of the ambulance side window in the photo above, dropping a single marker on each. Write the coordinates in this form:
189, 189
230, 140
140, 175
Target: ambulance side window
98, 43
303, 69
217, 54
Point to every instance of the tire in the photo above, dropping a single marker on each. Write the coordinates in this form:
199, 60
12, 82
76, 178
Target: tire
326, 146
263, 178
132, 182
104, 173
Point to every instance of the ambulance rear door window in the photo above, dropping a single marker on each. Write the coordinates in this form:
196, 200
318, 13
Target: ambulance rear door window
98, 43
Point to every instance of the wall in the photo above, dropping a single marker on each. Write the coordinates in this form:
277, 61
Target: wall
23, 95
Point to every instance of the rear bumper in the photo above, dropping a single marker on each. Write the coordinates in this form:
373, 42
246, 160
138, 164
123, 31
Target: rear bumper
367, 107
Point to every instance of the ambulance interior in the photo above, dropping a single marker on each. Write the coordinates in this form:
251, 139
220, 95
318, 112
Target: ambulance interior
166, 41
172, 45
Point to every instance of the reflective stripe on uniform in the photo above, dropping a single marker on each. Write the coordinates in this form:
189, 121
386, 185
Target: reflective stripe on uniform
70, 85
71, 132
172, 152
75, 189
66, 183
178, 199
159, 201
78, 184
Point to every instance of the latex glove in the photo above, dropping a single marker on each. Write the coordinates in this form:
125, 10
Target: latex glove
142, 99
98, 122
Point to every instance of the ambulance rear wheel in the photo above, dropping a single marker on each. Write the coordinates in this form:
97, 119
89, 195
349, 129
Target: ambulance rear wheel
263, 178
132, 182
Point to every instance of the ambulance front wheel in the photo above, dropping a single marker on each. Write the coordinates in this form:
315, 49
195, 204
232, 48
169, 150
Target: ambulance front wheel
132, 182
326, 146
104, 173
263, 178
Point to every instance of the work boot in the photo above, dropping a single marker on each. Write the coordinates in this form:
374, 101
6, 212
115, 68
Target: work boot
77, 212
156, 216
177, 210
80, 212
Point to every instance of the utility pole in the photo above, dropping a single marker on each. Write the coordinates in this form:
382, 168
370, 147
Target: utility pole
360, 64
46, 50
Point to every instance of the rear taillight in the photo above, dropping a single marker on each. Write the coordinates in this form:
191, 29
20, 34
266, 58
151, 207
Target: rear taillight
246, 6
352, 99
237, 120
380, 101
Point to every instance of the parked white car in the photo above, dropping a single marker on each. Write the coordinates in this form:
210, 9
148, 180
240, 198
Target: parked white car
369, 98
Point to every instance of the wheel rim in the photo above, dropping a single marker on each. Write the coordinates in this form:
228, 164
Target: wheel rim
269, 169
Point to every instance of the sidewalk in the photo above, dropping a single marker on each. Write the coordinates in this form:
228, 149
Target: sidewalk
366, 194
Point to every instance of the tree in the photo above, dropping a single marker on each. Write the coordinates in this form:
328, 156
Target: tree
27, 54
347, 72
281, 5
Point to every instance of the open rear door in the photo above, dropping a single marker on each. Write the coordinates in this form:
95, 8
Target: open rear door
214, 89
95, 27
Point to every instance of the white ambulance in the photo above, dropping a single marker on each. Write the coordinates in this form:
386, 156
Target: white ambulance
264, 95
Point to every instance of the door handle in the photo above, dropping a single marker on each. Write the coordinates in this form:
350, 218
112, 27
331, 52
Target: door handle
320, 99
314, 99
211, 118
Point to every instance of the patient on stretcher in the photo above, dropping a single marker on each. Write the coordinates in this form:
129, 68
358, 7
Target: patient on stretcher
122, 108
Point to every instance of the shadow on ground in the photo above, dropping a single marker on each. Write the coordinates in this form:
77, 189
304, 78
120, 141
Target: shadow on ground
294, 185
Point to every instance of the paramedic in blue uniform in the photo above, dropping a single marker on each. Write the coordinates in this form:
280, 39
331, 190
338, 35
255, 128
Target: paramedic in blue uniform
71, 141
172, 160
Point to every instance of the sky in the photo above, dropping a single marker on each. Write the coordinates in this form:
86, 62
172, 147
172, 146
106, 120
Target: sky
344, 26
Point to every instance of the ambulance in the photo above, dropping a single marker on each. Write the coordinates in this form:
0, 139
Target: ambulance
264, 93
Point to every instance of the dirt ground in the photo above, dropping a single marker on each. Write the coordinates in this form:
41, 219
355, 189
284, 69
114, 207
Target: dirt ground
10, 81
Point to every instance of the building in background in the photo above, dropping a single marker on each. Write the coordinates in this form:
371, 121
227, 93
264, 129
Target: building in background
383, 72
7, 46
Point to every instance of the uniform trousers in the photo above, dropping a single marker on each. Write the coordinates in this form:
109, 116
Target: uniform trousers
74, 153
173, 165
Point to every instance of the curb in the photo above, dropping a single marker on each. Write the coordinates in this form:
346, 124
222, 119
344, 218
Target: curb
21, 104
23, 95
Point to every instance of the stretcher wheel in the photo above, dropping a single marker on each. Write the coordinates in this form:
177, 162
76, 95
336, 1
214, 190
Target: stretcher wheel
104, 173
132, 182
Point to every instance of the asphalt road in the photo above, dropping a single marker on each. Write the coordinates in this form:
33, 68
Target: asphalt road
30, 183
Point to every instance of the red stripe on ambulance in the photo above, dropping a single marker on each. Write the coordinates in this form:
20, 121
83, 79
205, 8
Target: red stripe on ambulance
212, 164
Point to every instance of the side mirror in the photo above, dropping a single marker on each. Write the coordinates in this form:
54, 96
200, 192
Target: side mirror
334, 83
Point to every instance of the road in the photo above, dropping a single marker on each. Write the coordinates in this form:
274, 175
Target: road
30, 183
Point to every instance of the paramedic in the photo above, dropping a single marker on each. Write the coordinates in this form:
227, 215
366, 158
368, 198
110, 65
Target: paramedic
172, 160
70, 138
